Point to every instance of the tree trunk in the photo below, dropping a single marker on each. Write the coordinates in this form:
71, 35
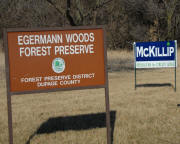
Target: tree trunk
69, 17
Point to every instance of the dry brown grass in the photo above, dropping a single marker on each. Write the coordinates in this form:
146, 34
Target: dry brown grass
120, 61
148, 115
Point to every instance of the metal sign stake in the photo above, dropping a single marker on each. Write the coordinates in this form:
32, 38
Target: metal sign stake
134, 47
175, 65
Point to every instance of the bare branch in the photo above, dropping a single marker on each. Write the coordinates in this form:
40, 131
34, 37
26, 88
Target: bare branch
57, 8
97, 7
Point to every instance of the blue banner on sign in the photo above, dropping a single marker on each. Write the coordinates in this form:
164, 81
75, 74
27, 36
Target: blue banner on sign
155, 51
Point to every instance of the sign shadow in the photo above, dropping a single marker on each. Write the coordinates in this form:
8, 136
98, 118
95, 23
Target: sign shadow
155, 85
77, 122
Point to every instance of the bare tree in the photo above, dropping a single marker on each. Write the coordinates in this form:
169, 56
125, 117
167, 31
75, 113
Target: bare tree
125, 20
170, 7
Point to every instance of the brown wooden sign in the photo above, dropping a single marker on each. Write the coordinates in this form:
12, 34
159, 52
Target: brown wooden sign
52, 59
49, 59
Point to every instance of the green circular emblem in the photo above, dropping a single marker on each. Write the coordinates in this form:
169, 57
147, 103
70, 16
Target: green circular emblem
58, 65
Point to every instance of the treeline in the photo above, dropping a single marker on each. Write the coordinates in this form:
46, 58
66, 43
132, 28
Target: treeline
125, 20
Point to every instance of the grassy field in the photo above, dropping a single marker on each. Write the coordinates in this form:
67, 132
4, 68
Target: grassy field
147, 115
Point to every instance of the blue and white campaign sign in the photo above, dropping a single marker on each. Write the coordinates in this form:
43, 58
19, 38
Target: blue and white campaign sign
155, 54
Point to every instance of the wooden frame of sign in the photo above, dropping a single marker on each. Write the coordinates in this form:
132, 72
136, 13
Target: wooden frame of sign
14, 43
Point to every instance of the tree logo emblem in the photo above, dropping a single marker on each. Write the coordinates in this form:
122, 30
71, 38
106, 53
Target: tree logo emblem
58, 65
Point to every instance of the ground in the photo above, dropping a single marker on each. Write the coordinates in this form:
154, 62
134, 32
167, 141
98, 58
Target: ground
147, 115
